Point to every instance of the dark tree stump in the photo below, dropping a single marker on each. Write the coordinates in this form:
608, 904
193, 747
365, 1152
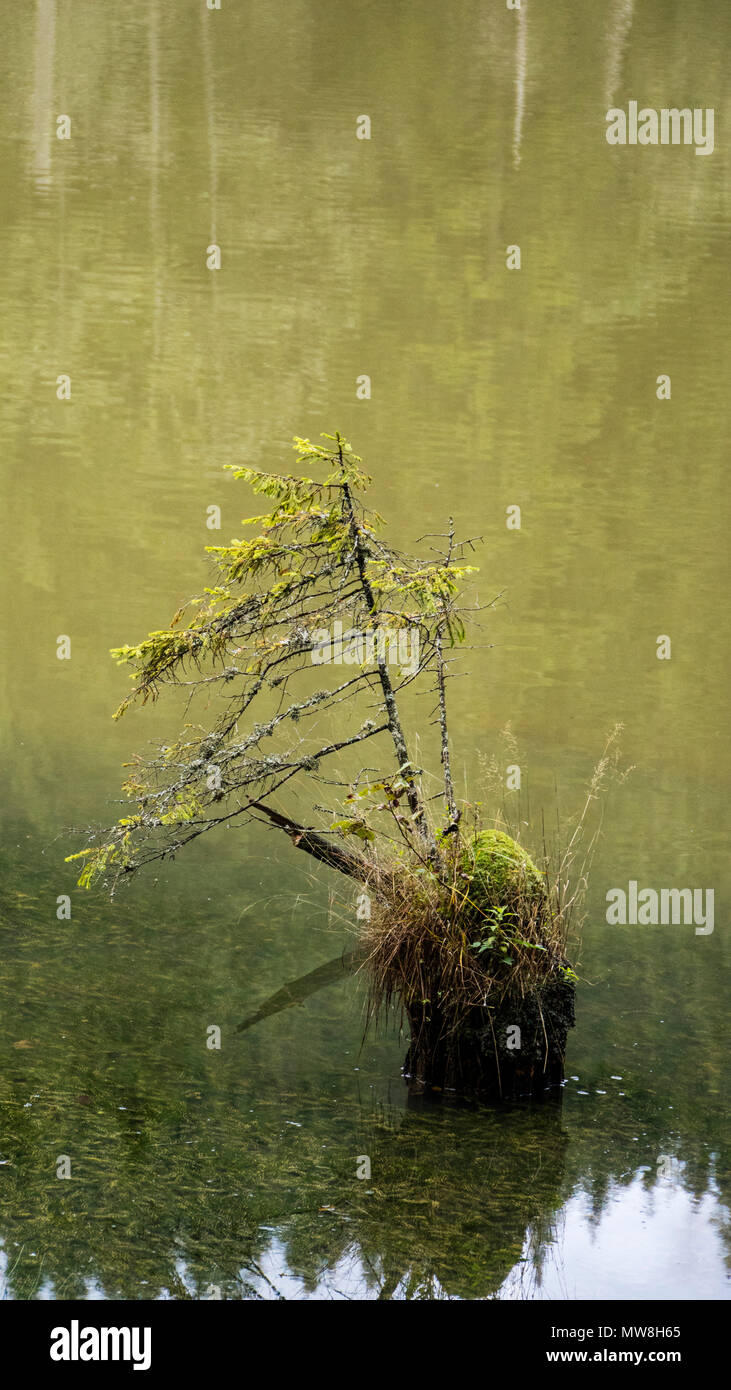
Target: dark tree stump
488, 1058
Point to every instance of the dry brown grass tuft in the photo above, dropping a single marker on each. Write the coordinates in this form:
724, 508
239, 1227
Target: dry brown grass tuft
427, 946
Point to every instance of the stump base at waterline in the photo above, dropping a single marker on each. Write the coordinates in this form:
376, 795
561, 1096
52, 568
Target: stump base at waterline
513, 1051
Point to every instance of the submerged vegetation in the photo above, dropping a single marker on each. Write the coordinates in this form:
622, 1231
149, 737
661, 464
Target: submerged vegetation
463, 931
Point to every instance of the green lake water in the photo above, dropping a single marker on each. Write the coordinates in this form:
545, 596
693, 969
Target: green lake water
198, 1172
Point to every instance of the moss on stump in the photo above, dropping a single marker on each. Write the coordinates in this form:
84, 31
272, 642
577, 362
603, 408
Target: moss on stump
502, 871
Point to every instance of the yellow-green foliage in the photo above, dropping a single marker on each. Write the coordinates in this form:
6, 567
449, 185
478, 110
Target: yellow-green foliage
119, 853
307, 515
99, 858
317, 559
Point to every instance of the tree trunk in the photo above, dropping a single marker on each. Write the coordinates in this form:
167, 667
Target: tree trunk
510, 1051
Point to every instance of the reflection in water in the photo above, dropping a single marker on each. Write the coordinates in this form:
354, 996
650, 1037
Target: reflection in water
43, 109
620, 25
304, 987
157, 240
210, 92
237, 1169
194, 1168
521, 68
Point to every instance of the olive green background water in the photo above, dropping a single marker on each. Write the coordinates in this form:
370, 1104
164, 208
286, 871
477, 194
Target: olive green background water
196, 1170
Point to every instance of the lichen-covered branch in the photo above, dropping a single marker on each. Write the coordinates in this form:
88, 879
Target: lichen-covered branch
316, 588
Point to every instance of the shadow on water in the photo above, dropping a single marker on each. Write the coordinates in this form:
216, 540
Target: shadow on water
296, 991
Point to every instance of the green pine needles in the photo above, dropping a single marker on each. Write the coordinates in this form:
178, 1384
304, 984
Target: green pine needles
317, 577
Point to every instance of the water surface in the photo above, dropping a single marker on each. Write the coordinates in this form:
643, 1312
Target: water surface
235, 1171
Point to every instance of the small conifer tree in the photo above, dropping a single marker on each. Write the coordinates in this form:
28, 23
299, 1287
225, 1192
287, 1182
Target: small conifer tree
318, 581
307, 649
